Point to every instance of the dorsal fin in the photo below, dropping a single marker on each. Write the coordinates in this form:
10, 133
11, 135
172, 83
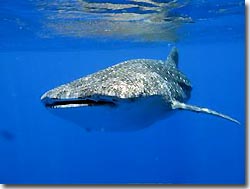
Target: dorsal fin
173, 57
179, 105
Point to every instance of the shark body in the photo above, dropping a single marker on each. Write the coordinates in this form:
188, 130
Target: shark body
127, 96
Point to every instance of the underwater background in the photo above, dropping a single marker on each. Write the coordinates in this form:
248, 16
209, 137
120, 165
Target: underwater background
44, 44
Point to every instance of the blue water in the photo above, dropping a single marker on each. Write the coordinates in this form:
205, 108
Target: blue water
45, 44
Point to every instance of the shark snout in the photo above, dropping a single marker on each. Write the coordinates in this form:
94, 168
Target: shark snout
49, 98
57, 98
63, 92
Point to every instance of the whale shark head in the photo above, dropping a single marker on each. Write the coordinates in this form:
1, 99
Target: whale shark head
129, 90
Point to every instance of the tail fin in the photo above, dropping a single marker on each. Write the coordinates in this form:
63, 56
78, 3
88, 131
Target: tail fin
179, 105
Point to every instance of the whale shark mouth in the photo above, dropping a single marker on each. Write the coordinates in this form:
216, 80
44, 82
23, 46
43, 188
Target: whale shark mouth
71, 103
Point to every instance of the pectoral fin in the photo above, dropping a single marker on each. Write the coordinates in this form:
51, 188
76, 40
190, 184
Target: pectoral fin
179, 105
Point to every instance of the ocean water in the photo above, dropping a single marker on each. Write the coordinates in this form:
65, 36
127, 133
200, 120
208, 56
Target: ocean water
44, 44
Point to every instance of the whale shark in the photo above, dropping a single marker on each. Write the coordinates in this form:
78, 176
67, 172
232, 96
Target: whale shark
127, 96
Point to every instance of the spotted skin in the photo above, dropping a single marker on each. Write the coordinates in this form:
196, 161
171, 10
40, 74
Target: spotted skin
129, 81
